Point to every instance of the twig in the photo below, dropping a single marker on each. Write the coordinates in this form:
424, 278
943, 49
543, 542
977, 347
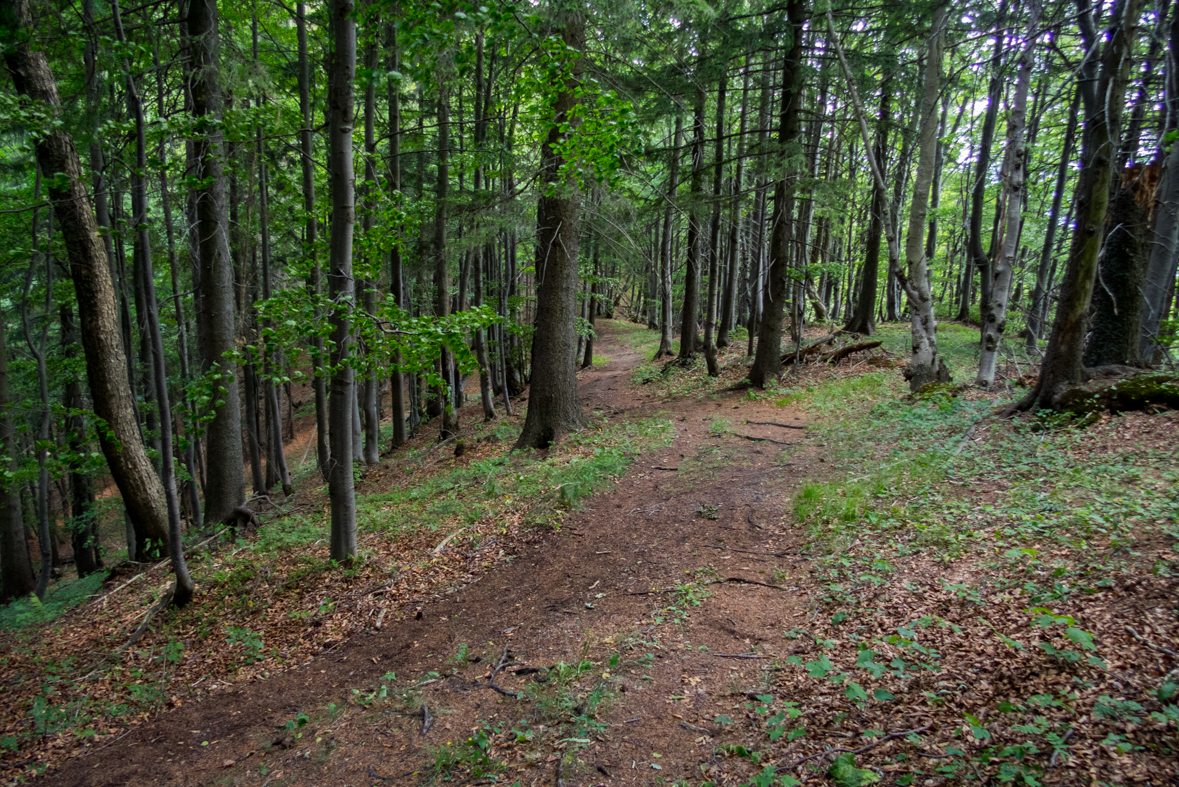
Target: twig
775, 423
891, 736
761, 439
1147, 642
965, 439
738, 656
1056, 754
503, 660
660, 467
746, 582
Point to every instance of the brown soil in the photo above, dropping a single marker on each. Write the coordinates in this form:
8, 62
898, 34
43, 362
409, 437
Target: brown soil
710, 510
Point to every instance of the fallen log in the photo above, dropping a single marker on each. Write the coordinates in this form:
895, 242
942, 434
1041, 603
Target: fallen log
836, 356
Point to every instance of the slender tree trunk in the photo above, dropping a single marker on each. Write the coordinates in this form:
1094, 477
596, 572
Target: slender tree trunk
979, 259
184, 589
341, 291
767, 363
1103, 102
863, 318
16, 570
665, 282
1038, 312
994, 321
445, 368
396, 276
83, 522
553, 407
371, 390
688, 336
714, 251
224, 488
729, 305
311, 241
37, 350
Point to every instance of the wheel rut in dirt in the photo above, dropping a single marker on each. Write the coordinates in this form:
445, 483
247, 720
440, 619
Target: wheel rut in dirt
685, 567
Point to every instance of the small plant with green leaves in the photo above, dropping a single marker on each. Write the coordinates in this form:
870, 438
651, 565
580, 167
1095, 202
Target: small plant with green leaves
250, 642
1078, 637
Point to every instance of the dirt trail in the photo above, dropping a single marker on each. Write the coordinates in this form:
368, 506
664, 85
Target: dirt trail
709, 512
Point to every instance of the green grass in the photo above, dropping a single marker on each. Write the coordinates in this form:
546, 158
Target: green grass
544, 486
61, 597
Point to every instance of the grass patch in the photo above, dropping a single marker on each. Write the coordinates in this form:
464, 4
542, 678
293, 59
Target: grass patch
539, 488
60, 598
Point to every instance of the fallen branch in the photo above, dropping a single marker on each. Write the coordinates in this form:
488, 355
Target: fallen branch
741, 581
775, 423
761, 439
660, 467
835, 356
738, 656
891, 736
1148, 643
503, 660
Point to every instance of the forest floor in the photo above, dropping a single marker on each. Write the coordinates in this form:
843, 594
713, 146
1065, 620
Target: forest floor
827, 582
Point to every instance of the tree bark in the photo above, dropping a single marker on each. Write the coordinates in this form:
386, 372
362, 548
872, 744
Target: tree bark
994, 320
863, 317
1115, 326
665, 282
341, 291
553, 406
689, 338
767, 363
16, 570
396, 275
224, 487
714, 251
319, 381
1038, 312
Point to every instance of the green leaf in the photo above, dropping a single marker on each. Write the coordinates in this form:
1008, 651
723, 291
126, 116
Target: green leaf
1082, 638
855, 692
882, 695
820, 668
844, 773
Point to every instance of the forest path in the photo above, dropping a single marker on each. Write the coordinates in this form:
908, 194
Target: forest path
654, 582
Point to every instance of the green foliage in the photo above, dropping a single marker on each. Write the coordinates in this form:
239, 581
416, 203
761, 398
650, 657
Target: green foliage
61, 598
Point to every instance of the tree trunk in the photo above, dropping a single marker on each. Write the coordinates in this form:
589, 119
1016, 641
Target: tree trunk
341, 291
863, 318
665, 282
1164, 250
553, 406
443, 397
224, 487
767, 363
714, 251
1038, 312
1103, 104
994, 320
16, 570
106, 365
691, 304
319, 381
184, 588
979, 259
1116, 324
396, 276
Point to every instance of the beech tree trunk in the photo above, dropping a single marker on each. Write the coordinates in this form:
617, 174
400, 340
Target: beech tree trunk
863, 316
396, 275
994, 320
310, 241
224, 486
341, 291
553, 406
